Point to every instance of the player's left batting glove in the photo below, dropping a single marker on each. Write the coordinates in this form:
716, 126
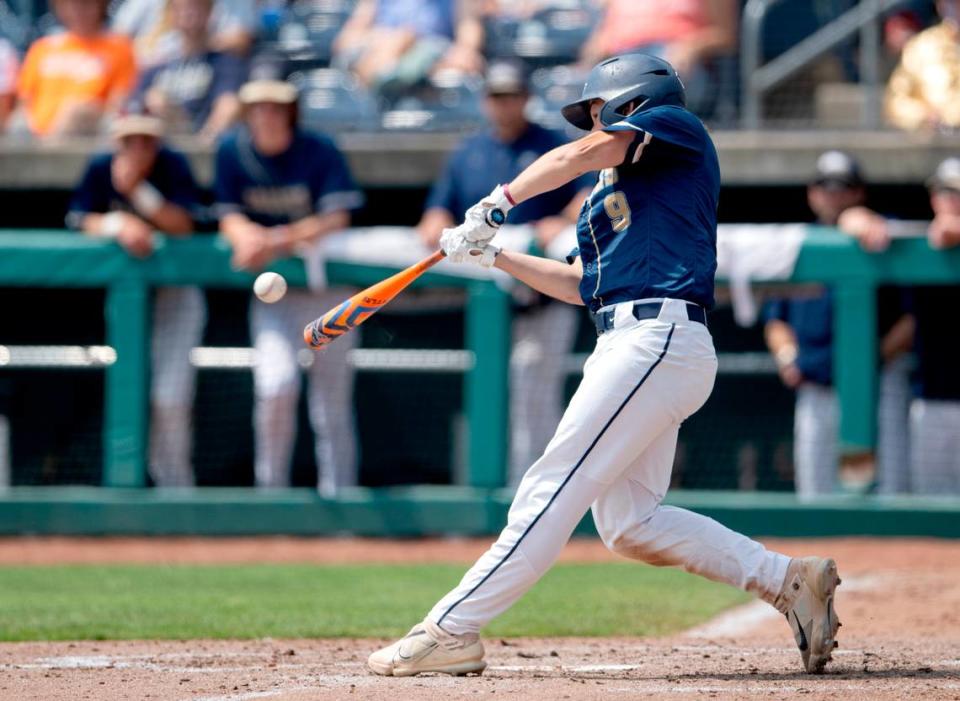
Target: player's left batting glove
459, 250
484, 219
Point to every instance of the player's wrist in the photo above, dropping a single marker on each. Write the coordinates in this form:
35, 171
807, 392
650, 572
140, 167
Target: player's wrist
146, 199
110, 225
786, 356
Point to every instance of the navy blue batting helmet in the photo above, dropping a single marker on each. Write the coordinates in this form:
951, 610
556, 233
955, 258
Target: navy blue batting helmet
645, 80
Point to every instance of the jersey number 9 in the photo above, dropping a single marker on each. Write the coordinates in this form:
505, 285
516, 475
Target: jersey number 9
618, 210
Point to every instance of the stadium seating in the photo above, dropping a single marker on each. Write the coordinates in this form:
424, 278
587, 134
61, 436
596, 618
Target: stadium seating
331, 100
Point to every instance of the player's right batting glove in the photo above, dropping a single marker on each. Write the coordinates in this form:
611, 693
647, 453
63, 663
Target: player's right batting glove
484, 219
460, 250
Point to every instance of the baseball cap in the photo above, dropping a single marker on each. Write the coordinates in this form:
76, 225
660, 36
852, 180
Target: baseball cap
505, 78
836, 169
946, 176
266, 83
136, 120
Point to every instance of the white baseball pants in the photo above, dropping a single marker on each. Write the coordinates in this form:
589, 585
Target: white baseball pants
613, 452
935, 446
277, 331
893, 421
815, 450
179, 316
542, 338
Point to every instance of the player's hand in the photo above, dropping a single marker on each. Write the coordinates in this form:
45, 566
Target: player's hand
944, 232
136, 236
251, 249
790, 375
126, 173
548, 228
484, 219
459, 250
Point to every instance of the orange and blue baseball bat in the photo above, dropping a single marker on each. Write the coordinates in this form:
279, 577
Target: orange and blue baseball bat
354, 311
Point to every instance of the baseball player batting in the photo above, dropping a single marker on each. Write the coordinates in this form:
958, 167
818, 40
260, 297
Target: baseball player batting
645, 268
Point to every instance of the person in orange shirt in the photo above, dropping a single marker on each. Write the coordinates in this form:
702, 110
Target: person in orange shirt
70, 80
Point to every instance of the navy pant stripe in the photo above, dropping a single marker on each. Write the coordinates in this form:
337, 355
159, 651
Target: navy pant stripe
566, 480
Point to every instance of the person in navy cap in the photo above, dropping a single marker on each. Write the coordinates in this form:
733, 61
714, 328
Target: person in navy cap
543, 330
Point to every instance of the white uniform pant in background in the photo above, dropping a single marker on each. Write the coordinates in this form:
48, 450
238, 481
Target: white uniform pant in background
935, 446
815, 450
277, 331
893, 421
179, 317
542, 339
614, 450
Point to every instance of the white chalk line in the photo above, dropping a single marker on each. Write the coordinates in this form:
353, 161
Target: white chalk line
743, 619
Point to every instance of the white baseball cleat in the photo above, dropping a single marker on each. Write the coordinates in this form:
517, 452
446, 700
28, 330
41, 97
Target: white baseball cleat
427, 648
807, 601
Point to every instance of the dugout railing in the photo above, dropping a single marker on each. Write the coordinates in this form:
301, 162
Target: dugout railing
65, 260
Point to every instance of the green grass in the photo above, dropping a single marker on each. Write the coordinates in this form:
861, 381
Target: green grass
181, 602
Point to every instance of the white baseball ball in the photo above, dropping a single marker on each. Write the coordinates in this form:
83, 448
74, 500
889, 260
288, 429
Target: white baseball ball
270, 287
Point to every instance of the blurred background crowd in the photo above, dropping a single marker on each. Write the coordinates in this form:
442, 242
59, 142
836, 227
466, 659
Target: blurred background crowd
268, 86
367, 65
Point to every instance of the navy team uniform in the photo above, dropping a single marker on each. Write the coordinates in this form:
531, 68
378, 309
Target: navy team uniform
935, 413
195, 83
816, 415
543, 330
179, 315
311, 177
647, 240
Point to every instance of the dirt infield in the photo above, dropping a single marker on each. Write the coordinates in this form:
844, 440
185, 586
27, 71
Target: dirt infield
900, 604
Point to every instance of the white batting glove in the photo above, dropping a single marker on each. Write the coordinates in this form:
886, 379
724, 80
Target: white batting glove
484, 219
459, 250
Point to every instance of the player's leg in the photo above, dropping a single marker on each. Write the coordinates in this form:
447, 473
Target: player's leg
276, 387
633, 523
542, 338
632, 390
179, 316
934, 446
815, 440
893, 420
330, 396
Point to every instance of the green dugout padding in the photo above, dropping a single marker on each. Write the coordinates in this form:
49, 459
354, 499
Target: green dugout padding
62, 259
416, 511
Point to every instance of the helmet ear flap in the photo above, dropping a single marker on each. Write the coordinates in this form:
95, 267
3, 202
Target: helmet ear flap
611, 112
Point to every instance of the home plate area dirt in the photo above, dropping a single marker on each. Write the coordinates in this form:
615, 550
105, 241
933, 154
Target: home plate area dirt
900, 605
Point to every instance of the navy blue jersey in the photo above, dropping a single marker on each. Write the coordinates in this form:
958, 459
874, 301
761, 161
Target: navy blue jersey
95, 194
938, 374
649, 228
482, 162
811, 319
310, 177
194, 83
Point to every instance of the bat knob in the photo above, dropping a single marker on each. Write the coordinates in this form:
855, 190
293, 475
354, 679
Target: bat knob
496, 217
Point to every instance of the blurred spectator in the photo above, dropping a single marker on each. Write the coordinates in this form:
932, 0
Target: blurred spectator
150, 23
392, 45
924, 90
687, 33
799, 333
8, 80
935, 413
70, 80
279, 189
543, 330
126, 195
197, 92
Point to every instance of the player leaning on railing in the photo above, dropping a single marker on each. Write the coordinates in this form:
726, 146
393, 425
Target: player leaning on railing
645, 268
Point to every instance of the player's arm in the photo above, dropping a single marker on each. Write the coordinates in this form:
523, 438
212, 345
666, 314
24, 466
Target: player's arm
311, 228
899, 339
551, 277
782, 342
432, 224
556, 168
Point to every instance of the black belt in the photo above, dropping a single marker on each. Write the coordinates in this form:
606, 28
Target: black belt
647, 310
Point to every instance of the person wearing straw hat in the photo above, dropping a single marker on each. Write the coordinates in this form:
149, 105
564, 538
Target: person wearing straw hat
279, 189
141, 188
